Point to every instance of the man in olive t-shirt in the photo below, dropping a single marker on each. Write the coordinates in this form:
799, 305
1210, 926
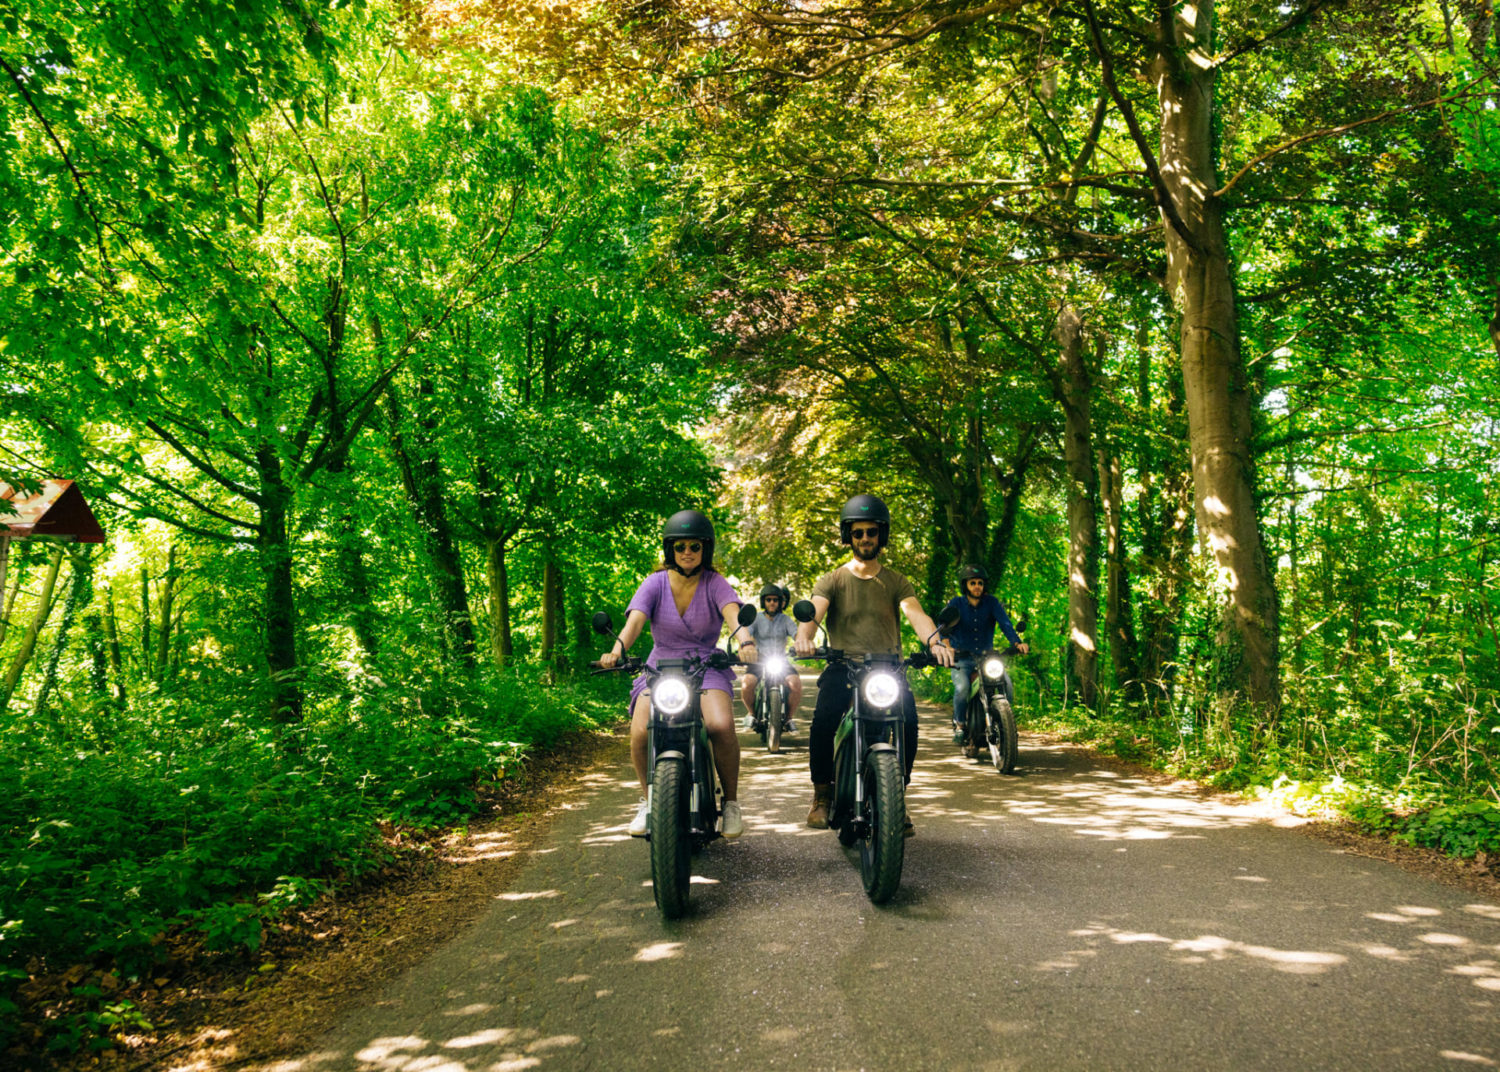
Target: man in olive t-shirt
861, 600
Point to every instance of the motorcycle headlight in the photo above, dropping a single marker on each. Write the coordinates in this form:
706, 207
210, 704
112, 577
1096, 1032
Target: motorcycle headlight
775, 666
671, 695
994, 668
882, 690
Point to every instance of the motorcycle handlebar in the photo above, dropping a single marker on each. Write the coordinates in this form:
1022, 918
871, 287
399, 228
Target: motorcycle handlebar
970, 653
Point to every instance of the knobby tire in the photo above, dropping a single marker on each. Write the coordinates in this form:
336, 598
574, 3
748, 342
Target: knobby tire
773, 719
671, 849
1004, 744
882, 854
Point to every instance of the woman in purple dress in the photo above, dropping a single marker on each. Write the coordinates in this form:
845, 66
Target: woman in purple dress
688, 604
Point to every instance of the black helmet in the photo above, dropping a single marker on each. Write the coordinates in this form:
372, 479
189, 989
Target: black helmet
967, 574
769, 590
865, 508
688, 525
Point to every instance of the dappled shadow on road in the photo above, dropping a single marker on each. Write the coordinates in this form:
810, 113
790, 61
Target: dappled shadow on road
1053, 788
555, 975
1071, 880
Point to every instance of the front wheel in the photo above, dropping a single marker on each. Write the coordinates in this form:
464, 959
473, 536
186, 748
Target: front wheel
671, 841
1002, 735
773, 718
883, 852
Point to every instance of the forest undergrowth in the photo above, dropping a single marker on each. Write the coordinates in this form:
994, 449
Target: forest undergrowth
1408, 754
190, 827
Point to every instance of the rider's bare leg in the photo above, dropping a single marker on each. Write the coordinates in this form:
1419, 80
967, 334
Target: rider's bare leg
717, 716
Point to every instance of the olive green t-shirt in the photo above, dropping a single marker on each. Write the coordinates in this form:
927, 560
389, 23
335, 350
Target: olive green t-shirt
864, 615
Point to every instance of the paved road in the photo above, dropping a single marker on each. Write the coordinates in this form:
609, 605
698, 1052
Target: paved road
1066, 918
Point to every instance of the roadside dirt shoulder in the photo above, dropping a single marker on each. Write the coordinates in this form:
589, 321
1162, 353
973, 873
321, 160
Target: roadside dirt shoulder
223, 1014
1477, 876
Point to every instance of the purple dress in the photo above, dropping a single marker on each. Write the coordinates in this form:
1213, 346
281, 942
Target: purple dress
676, 636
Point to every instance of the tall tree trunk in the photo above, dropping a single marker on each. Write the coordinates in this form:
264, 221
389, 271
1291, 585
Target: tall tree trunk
1164, 518
93, 631
164, 630
940, 560
112, 633
278, 600
499, 601
1220, 398
38, 622
1495, 321
80, 592
5, 602
551, 590
421, 475
145, 635
1012, 484
1119, 621
1071, 387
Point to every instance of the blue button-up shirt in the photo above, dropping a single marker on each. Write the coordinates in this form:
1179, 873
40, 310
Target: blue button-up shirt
975, 630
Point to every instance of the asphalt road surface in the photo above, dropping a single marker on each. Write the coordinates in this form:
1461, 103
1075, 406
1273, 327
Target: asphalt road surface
1068, 917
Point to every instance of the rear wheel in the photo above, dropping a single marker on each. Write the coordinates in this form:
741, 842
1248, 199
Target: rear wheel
671, 846
773, 717
884, 851
1002, 735
974, 728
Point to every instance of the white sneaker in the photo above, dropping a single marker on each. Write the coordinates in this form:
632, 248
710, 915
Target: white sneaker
642, 820
731, 825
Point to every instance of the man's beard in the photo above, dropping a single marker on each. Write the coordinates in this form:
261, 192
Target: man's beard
867, 556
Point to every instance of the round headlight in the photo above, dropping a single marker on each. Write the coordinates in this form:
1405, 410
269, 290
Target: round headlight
671, 695
994, 668
775, 664
882, 690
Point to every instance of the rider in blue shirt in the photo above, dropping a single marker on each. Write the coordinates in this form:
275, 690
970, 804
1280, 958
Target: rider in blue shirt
978, 614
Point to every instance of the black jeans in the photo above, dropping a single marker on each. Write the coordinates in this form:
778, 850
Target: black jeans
835, 691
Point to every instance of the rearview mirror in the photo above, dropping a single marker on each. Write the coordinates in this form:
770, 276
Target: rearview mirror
947, 618
1021, 625
603, 625
747, 613
804, 611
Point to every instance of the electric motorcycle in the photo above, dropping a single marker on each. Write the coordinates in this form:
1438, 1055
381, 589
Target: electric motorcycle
869, 762
773, 694
990, 722
682, 794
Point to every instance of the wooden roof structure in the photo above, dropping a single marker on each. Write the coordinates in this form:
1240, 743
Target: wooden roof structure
57, 510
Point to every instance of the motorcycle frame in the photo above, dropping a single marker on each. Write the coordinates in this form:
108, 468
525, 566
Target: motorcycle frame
782, 686
684, 735
856, 723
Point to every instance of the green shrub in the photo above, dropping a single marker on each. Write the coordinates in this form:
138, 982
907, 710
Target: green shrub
210, 819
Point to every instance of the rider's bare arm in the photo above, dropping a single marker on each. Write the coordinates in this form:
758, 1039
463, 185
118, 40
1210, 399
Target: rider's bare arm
635, 621
926, 629
739, 633
807, 632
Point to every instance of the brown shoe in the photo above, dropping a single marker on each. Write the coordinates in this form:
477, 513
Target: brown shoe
817, 818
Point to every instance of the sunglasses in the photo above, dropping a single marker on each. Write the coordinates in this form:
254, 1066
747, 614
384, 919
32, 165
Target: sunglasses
685, 546
865, 534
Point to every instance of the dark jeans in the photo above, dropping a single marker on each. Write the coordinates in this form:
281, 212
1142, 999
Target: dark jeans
834, 694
